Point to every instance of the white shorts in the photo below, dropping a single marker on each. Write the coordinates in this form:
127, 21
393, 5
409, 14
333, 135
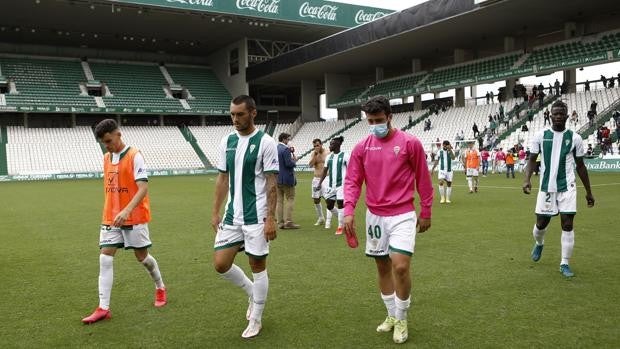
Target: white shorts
392, 234
550, 204
334, 193
316, 194
445, 175
250, 237
127, 236
472, 172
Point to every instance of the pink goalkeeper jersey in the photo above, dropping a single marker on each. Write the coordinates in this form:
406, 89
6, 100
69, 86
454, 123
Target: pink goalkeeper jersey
391, 168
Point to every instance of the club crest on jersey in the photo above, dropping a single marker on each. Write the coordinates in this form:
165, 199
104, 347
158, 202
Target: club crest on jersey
567, 142
396, 150
252, 147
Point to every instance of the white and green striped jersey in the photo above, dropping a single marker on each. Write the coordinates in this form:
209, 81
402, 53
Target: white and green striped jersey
337, 168
445, 160
247, 159
558, 151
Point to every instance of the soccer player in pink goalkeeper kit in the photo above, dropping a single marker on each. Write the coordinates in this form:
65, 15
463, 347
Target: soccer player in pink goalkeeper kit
391, 163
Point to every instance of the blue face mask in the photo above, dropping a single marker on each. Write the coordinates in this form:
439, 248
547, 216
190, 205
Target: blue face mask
379, 130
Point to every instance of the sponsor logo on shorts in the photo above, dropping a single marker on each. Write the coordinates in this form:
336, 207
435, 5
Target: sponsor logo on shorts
222, 242
379, 251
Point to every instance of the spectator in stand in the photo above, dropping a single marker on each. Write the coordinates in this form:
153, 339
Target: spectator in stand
524, 128
564, 87
474, 128
604, 80
611, 82
616, 116
541, 98
530, 100
590, 151
587, 85
599, 135
501, 110
488, 96
556, 84
550, 90
490, 118
593, 107
590, 118
574, 118
547, 116
541, 87
492, 96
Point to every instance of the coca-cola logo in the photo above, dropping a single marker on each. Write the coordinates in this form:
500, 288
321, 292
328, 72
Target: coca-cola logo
264, 6
362, 17
207, 3
326, 12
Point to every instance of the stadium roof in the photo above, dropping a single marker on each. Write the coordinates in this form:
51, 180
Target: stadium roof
172, 26
429, 31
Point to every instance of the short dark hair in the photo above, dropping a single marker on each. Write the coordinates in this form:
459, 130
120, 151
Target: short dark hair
446, 142
283, 136
560, 104
338, 139
250, 104
376, 105
317, 140
105, 126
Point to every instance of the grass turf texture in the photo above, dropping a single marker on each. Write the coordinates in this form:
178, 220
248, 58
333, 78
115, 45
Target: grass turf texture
474, 286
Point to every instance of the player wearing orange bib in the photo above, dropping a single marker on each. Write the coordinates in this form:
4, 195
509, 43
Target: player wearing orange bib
126, 213
472, 166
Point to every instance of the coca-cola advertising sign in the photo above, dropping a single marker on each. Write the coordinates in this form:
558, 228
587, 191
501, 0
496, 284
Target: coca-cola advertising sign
324, 12
262, 6
206, 3
362, 17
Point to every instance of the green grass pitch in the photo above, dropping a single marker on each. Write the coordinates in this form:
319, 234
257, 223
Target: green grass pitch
474, 283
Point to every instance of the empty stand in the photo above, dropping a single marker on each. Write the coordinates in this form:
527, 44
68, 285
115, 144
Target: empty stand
52, 150
207, 92
45, 82
163, 147
134, 86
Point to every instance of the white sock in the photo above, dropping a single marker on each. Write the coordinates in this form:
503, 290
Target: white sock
330, 214
106, 277
328, 217
448, 192
260, 289
539, 235
442, 193
401, 307
390, 303
151, 266
340, 217
319, 210
237, 277
469, 181
568, 241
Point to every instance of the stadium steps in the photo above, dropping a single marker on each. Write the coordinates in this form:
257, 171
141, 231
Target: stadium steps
548, 100
601, 119
166, 75
327, 139
270, 128
520, 61
87, 72
4, 168
416, 121
189, 137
